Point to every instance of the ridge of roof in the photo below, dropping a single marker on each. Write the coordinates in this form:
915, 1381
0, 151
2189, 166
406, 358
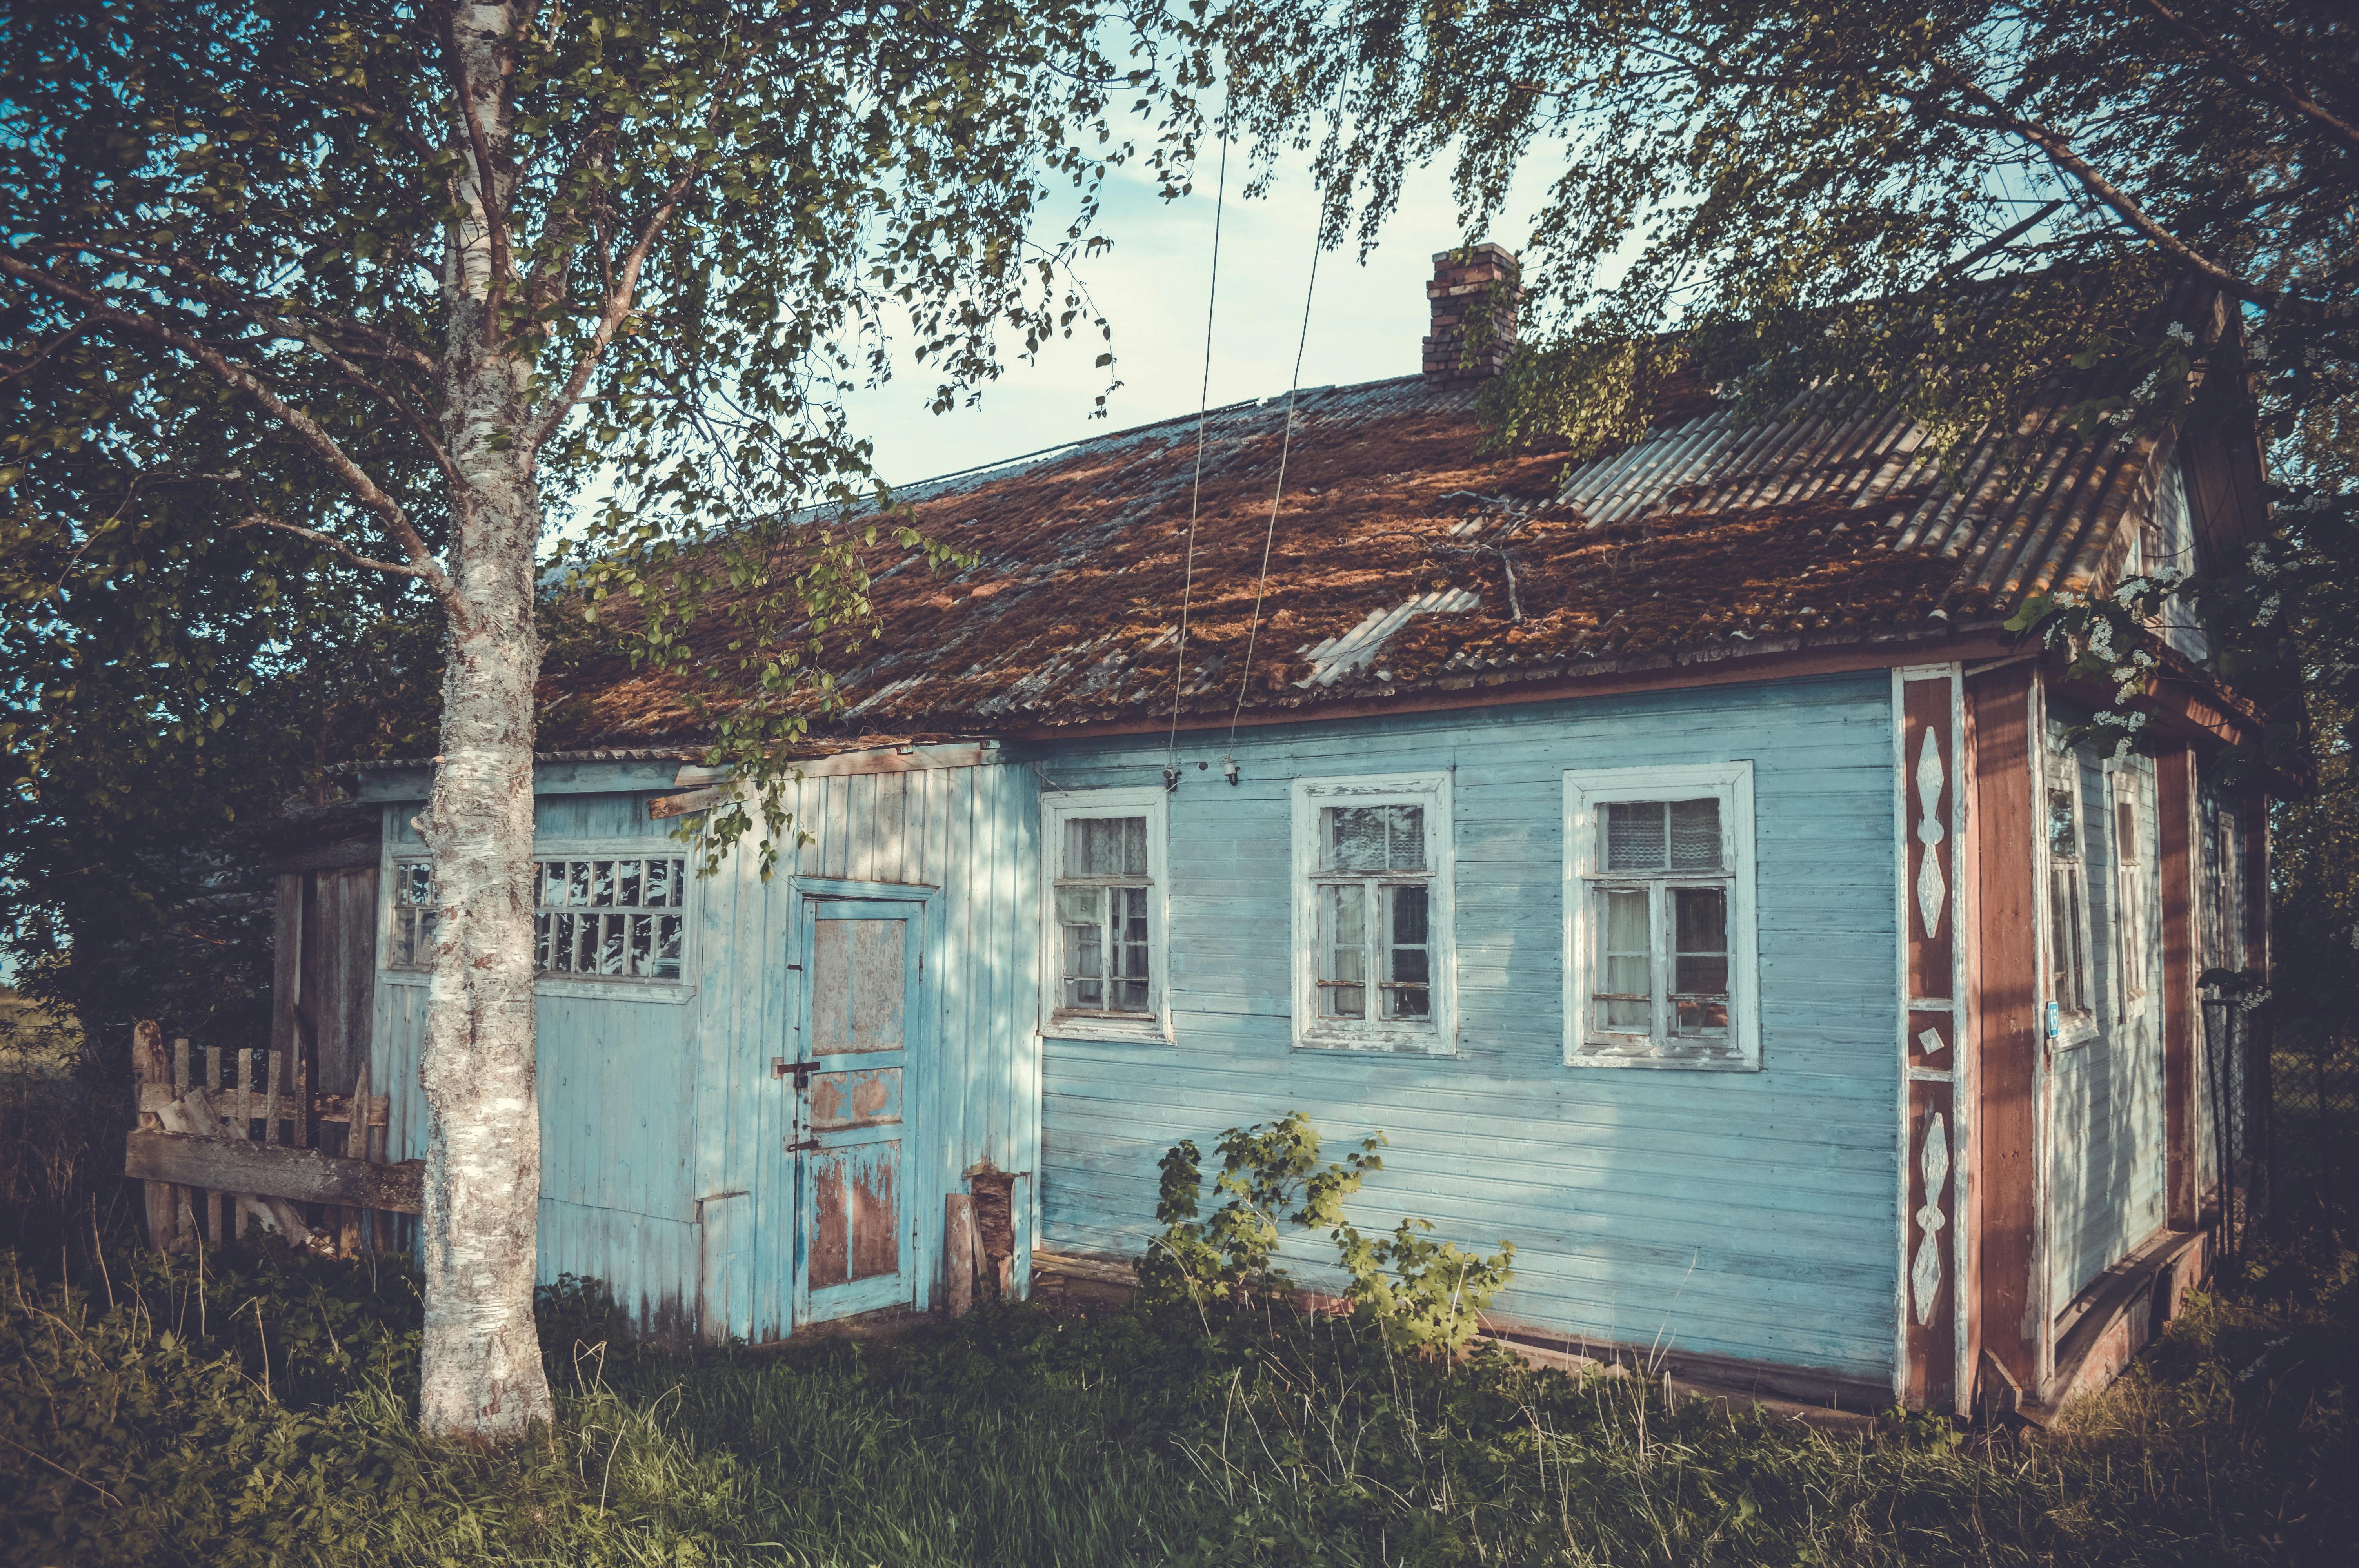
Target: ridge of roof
1406, 559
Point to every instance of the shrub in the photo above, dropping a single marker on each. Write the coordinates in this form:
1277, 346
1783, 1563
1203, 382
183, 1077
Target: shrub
1420, 1294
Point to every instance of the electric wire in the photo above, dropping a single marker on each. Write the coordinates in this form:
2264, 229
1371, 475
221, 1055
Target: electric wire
1196, 486
1285, 448
1270, 535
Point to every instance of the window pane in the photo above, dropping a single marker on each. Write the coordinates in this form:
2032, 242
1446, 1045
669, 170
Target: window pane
668, 940
1700, 919
2080, 958
626, 884
416, 884
603, 883
1407, 963
1130, 931
643, 945
609, 944
1082, 914
577, 885
1695, 835
1358, 837
1407, 848
1701, 1015
540, 943
658, 885
1343, 935
2058, 945
1625, 987
552, 883
2125, 830
1701, 974
2063, 838
560, 945
1408, 916
1105, 846
1633, 835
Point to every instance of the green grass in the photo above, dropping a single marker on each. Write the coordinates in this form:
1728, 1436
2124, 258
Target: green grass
262, 1415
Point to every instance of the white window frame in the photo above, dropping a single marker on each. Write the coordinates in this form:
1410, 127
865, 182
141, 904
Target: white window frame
1056, 1023
1438, 1034
2075, 1027
1586, 789
604, 987
2132, 912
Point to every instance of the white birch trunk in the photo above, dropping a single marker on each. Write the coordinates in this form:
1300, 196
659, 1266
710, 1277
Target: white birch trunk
482, 1378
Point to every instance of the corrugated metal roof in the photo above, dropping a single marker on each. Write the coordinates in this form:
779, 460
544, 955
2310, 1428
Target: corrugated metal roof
1403, 559
586, 755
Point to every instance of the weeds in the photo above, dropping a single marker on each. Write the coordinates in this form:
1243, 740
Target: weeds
166, 1429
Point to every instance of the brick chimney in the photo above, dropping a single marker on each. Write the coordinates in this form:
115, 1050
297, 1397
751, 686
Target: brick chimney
1466, 284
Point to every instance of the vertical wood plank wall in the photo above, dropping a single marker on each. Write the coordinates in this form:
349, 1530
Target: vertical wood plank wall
2176, 830
2010, 1319
1743, 1214
663, 1171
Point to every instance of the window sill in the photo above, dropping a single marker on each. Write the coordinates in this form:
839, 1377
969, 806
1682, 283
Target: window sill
2078, 1031
1373, 1043
1699, 1056
662, 993
1108, 1031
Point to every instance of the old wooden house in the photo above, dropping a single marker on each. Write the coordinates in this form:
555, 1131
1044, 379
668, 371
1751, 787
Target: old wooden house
1674, 857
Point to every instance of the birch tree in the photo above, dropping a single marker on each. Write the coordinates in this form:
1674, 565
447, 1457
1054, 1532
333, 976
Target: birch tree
381, 283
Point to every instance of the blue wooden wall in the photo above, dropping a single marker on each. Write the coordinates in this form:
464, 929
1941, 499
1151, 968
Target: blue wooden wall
1734, 1214
662, 1130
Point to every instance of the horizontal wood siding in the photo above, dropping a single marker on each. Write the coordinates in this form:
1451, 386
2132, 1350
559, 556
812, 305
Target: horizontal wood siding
1734, 1213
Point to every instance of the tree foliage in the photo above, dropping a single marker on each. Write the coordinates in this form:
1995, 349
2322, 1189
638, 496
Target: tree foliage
1768, 193
291, 291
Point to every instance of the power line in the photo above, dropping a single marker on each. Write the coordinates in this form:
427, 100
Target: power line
1284, 448
1196, 487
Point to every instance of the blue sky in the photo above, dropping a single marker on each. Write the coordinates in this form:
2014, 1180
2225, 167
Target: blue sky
1365, 322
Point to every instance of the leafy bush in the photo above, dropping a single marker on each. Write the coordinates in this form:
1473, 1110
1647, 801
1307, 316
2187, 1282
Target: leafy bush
1264, 1172
1421, 1295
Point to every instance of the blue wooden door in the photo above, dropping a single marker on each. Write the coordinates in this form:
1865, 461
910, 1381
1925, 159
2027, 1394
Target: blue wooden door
852, 1128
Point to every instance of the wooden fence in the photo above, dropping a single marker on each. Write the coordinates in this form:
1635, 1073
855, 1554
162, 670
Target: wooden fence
222, 1140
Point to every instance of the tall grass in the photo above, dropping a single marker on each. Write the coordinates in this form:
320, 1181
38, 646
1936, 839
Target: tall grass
261, 1413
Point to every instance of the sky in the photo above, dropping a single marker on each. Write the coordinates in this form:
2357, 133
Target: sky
1365, 321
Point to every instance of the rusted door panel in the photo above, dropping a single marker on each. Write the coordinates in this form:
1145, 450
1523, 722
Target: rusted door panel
870, 1096
851, 1121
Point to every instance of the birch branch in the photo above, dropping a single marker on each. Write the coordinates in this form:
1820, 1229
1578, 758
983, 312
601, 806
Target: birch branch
306, 429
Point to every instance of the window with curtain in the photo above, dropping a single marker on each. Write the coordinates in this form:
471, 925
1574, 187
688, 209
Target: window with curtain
1659, 923
2070, 983
1102, 864
1373, 912
2130, 913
